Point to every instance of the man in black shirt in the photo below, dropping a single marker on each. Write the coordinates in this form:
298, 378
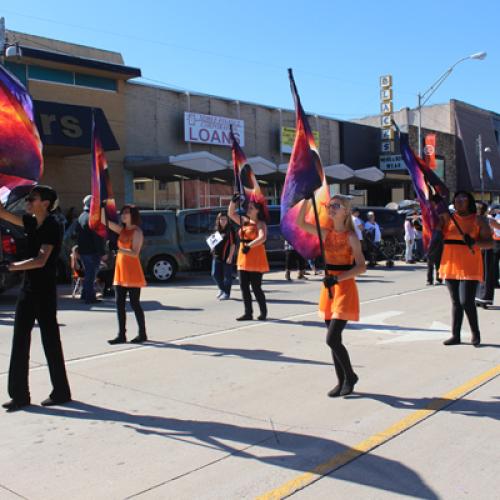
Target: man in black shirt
91, 250
37, 300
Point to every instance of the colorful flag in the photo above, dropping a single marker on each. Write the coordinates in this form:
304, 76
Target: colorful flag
21, 160
101, 190
245, 182
304, 176
428, 186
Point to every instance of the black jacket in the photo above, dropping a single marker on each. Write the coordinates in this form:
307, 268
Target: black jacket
89, 242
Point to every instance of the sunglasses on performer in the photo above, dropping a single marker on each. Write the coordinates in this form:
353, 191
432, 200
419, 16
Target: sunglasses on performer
336, 206
30, 198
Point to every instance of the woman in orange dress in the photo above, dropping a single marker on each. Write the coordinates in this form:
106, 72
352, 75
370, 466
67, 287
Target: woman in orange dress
129, 276
344, 261
252, 259
461, 263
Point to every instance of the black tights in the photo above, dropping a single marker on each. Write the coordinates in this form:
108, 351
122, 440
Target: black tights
340, 356
462, 293
254, 279
134, 295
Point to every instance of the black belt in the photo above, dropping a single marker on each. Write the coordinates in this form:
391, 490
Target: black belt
339, 267
454, 242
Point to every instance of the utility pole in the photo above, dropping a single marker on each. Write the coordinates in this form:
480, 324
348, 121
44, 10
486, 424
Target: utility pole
3, 42
481, 166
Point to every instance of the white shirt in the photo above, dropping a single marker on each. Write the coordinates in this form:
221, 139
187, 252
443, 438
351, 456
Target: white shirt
496, 232
409, 231
358, 222
378, 236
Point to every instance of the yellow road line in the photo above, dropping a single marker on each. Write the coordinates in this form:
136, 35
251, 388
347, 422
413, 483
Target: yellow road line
378, 439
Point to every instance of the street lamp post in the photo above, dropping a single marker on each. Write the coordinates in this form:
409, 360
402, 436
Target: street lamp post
423, 97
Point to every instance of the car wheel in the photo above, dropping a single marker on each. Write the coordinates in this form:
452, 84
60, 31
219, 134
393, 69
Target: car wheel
162, 269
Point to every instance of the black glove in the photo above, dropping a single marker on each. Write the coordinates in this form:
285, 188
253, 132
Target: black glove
469, 241
245, 249
237, 197
329, 281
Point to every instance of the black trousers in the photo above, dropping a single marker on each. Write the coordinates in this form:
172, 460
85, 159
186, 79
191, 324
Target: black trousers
41, 307
433, 263
496, 261
486, 289
293, 260
135, 296
340, 356
253, 279
462, 294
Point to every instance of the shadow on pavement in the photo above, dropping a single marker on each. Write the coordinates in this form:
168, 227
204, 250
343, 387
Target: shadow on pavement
108, 305
253, 354
299, 452
461, 406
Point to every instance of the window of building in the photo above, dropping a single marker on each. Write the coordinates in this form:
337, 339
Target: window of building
140, 186
96, 82
51, 75
162, 186
19, 70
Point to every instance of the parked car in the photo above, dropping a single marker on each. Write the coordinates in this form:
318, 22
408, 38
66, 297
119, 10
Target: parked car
161, 254
196, 224
390, 221
13, 246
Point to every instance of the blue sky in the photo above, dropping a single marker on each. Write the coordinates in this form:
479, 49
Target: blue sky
241, 49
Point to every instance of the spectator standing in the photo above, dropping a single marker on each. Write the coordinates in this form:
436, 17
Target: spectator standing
293, 260
373, 238
419, 244
223, 256
91, 248
409, 239
486, 287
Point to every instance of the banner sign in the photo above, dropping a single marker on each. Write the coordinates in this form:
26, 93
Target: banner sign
288, 137
430, 150
209, 129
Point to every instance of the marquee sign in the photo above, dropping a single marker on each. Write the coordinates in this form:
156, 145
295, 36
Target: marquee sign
209, 129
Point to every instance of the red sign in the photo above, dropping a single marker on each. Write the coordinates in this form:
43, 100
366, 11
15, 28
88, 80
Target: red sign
430, 150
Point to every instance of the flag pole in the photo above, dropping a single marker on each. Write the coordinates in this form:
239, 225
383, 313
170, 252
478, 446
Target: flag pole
236, 181
321, 245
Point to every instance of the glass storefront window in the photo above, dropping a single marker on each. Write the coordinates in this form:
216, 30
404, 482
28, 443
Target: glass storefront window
19, 70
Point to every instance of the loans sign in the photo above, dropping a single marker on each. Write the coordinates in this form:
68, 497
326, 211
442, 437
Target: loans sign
209, 129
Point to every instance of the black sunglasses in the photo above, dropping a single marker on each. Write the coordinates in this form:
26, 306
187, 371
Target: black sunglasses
31, 198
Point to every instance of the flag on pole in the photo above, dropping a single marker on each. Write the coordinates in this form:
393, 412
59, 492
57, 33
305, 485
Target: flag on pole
304, 176
21, 160
428, 187
101, 190
245, 182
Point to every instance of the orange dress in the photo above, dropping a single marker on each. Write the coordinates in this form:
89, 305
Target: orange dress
256, 259
128, 268
344, 303
457, 261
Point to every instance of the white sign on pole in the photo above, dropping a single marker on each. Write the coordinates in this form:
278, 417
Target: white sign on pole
209, 129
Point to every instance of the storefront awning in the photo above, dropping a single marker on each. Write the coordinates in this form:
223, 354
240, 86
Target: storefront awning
201, 162
369, 174
261, 166
339, 172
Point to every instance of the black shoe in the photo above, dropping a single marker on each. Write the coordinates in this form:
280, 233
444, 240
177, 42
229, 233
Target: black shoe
262, 317
118, 340
348, 386
452, 341
139, 339
476, 340
429, 283
245, 317
439, 282
335, 392
14, 405
93, 301
55, 401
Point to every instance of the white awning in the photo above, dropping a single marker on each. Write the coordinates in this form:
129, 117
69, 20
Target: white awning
202, 162
370, 174
261, 166
339, 172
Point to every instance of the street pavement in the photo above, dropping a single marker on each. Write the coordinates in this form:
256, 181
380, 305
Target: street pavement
212, 408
